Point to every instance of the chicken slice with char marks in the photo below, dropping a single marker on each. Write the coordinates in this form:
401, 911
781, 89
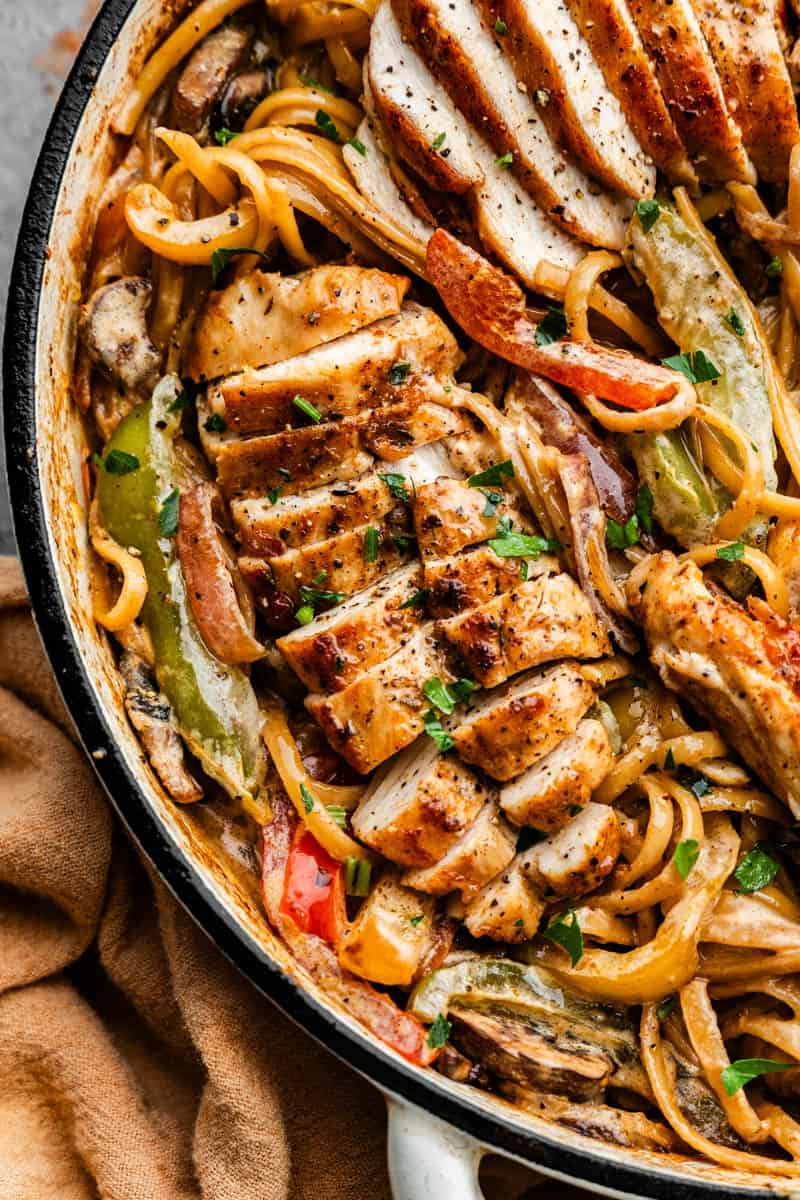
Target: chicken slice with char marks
740, 669
548, 793
691, 86
394, 430
510, 728
617, 48
419, 805
475, 577
584, 117
290, 522
475, 858
381, 711
579, 857
538, 621
363, 630
414, 106
388, 940
262, 318
345, 563
745, 42
507, 909
343, 377
449, 515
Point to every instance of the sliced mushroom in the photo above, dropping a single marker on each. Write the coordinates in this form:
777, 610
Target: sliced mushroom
205, 74
243, 93
113, 328
151, 717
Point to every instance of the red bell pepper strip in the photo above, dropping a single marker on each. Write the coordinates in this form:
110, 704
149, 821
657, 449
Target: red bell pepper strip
313, 892
490, 307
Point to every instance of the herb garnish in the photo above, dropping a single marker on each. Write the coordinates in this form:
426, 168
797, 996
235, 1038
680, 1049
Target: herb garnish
644, 508
521, 545
398, 373
168, 514
357, 875
439, 1032
569, 936
438, 141
370, 544
396, 484
326, 126
686, 855
774, 268
221, 258
308, 799
736, 323
500, 27
417, 600
505, 160
552, 327
734, 552
666, 1007
648, 212
756, 870
357, 145
434, 729
696, 366
216, 423
619, 537
307, 408
118, 462
224, 135
446, 696
744, 1070
417, 920
493, 476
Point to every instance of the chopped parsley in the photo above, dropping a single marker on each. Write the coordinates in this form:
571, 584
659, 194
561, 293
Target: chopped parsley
493, 499
307, 81
696, 783
669, 761
434, 729
493, 476
221, 258
644, 508
216, 423
619, 537
505, 160
756, 870
521, 545
358, 146
745, 1070
438, 141
736, 323
168, 514
523, 570
326, 126
417, 920
696, 366
552, 327
733, 552
666, 1007
566, 934
439, 1032
184, 396
273, 494
446, 696
774, 268
370, 544
648, 212
223, 136
396, 484
500, 27
308, 799
398, 373
119, 462
686, 855
417, 600
307, 408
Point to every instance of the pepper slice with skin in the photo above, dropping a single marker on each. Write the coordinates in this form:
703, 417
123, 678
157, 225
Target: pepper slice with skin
313, 892
215, 707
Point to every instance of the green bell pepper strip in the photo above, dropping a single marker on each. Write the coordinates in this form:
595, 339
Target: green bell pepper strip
701, 306
214, 704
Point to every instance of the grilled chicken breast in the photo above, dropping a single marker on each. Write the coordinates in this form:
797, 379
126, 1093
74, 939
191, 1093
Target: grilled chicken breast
262, 319
475, 577
547, 795
738, 667
389, 937
478, 855
508, 908
579, 857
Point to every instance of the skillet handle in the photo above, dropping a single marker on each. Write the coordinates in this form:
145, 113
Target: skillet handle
429, 1160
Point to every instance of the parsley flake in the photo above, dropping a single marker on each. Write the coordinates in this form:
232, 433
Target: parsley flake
500, 27
756, 870
417, 600
666, 1007
745, 1070
644, 508
619, 537
434, 729
119, 462
648, 212
696, 366
308, 799
216, 423
774, 268
736, 323
398, 373
438, 141
734, 552
505, 160
221, 258
439, 1032
552, 327
326, 126
445, 696
357, 145
493, 476
168, 514
686, 855
522, 545
396, 484
223, 136
307, 81
567, 935
417, 920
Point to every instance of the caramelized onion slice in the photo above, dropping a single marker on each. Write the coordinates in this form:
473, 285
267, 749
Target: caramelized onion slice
490, 307
208, 570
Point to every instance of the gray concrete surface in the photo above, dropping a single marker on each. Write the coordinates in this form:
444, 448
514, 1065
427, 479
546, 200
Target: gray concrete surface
38, 39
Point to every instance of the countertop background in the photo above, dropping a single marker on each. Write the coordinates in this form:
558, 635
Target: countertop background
38, 40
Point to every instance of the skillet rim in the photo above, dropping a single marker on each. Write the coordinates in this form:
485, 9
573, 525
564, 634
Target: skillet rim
354, 1047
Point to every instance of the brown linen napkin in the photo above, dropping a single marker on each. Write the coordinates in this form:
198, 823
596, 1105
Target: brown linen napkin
135, 1063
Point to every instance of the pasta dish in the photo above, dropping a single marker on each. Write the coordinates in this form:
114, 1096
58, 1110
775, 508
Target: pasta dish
440, 370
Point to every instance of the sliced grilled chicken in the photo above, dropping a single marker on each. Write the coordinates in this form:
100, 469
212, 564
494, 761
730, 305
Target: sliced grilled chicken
381, 711
420, 120
341, 644
548, 795
419, 805
509, 729
391, 431
289, 522
540, 620
579, 857
373, 177
616, 46
344, 377
691, 86
263, 318
507, 909
207, 70
740, 669
475, 577
744, 40
151, 717
413, 105
482, 852
311, 456
389, 938
346, 563
584, 117
449, 515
